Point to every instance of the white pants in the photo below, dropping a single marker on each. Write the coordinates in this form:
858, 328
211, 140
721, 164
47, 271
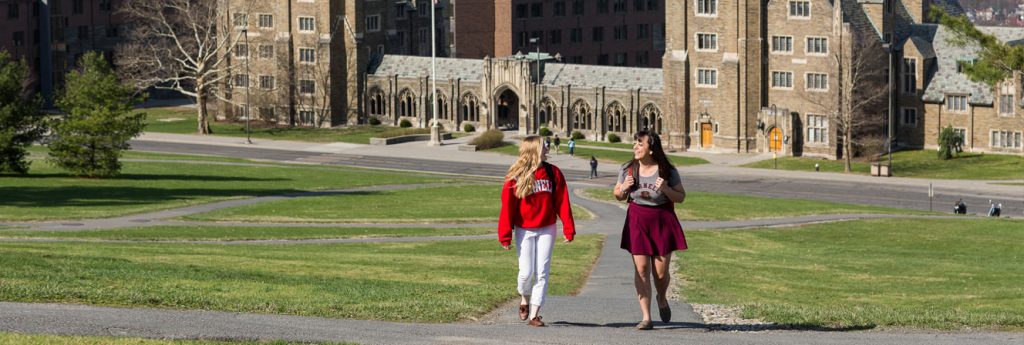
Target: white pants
534, 246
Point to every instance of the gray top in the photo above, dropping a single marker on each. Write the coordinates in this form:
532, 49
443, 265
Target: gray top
645, 194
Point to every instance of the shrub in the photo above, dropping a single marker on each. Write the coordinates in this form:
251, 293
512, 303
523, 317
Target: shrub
490, 139
948, 143
22, 122
614, 138
89, 139
576, 135
374, 121
544, 132
468, 128
404, 123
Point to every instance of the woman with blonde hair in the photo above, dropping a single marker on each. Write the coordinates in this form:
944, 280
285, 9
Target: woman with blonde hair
533, 196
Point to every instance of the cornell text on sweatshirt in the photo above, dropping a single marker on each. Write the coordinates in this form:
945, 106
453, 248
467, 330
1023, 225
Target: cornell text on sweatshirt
537, 209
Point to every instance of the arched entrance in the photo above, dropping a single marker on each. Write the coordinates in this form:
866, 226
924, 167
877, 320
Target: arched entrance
775, 140
507, 115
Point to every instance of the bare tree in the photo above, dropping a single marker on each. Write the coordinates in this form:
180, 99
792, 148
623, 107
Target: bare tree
858, 106
175, 45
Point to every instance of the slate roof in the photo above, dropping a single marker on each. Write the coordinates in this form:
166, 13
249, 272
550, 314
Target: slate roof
946, 80
555, 74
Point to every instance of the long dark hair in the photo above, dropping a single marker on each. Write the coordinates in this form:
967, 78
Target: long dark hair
665, 167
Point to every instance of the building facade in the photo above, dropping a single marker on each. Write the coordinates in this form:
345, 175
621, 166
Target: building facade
602, 32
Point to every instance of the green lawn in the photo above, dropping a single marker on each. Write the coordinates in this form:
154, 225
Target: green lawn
921, 164
48, 193
715, 206
945, 274
462, 203
183, 121
224, 233
27, 339
606, 156
413, 282
599, 143
39, 153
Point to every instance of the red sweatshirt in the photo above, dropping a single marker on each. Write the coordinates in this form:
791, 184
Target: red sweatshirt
537, 209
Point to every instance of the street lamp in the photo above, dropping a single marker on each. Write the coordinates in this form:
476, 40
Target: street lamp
771, 136
536, 82
248, 84
888, 142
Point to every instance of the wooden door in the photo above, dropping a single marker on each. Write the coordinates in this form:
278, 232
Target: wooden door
775, 140
705, 135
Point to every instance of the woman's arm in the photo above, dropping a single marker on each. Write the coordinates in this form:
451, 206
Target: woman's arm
621, 189
676, 193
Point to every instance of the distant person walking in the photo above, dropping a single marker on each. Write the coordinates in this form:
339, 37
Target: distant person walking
572, 147
557, 142
533, 196
652, 187
593, 167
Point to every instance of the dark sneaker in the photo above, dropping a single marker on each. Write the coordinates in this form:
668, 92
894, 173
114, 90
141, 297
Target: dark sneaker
536, 322
645, 325
524, 311
666, 314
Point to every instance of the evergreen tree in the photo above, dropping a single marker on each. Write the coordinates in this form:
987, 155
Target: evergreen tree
98, 124
21, 122
948, 142
996, 61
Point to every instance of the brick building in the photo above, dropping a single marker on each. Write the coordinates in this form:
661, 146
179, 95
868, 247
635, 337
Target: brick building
602, 32
51, 35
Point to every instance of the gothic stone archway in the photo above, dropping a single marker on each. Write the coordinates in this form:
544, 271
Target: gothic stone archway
507, 110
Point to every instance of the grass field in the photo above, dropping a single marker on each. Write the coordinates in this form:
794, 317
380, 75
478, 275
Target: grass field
944, 274
716, 206
48, 193
921, 164
606, 156
183, 121
413, 282
25, 339
462, 203
234, 233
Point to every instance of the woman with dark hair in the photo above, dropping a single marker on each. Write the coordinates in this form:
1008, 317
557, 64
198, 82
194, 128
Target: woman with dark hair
652, 187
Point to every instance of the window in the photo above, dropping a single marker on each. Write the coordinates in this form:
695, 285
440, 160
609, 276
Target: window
652, 5
306, 117
555, 37
800, 9
105, 5
560, 9
910, 117
422, 9
424, 35
643, 31
602, 6
643, 58
638, 5
12, 11
817, 81
707, 77
1006, 139
524, 39
577, 7
1006, 99
909, 75
619, 6
266, 82
817, 45
307, 87
19, 38
401, 39
782, 44
621, 32
598, 34
241, 51
576, 35
241, 20
620, 59
77, 7
576, 59
307, 55
817, 129
602, 59
537, 9
782, 80
83, 32
960, 64
707, 42
266, 113
266, 51
521, 10
307, 24
956, 104
265, 21
241, 80
962, 134
400, 10
707, 7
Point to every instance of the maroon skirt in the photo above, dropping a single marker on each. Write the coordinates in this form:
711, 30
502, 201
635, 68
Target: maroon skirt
652, 230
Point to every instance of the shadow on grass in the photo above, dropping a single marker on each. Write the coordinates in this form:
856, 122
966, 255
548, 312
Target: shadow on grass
722, 327
65, 196
147, 177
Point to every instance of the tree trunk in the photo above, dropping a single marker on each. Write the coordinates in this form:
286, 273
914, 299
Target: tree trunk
848, 151
204, 127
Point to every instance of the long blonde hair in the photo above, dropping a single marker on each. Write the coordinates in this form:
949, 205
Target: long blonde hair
530, 157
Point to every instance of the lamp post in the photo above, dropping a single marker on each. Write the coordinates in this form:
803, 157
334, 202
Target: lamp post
536, 82
888, 142
771, 136
435, 129
248, 136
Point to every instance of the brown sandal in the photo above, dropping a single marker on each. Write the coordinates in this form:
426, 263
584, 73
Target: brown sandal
536, 322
